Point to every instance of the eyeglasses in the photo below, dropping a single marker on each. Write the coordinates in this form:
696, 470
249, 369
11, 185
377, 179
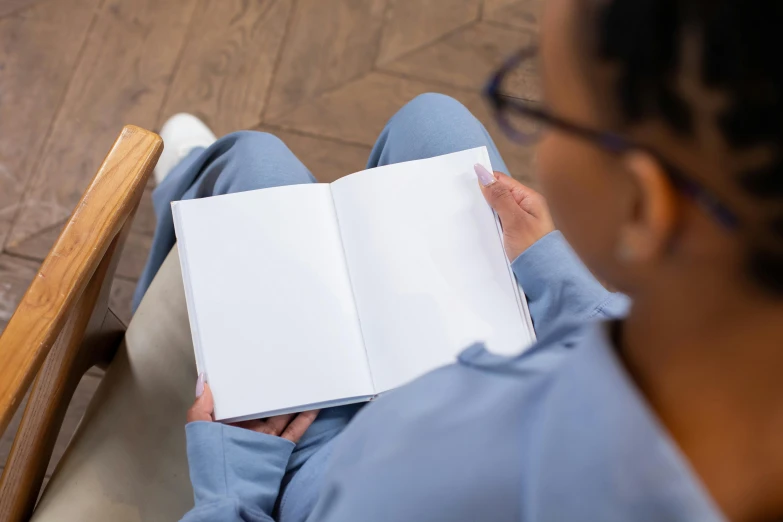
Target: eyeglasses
510, 108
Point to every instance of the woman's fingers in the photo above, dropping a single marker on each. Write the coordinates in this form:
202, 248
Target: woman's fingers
270, 426
276, 425
252, 425
290, 426
299, 425
531, 201
523, 212
497, 192
204, 406
524, 198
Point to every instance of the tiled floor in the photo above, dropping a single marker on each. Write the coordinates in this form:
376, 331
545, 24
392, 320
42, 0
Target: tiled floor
324, 75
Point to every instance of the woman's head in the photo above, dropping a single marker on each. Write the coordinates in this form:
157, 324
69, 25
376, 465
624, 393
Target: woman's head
696, 82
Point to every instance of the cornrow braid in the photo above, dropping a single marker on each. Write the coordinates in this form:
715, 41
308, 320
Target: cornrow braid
740, 42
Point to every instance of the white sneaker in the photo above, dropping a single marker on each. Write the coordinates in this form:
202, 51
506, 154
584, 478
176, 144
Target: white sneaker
181, 134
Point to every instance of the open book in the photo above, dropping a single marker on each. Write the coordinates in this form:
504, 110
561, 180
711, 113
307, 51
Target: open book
308, 296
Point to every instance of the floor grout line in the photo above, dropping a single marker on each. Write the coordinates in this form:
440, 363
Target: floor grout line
57, 224
325, 92
439, 83
177, 64
279, 58
307, 134
427, 45
506, 26
23, 257
19, 10
443, 84
387, 10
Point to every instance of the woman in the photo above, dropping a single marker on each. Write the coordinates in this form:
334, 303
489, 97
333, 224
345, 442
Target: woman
661, 165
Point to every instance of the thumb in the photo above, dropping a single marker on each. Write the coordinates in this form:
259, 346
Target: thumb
497, 192
203, 408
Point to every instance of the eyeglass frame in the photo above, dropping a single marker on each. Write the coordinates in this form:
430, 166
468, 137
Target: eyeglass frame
609, 141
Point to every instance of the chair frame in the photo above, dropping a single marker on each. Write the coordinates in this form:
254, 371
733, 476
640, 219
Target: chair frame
63, 325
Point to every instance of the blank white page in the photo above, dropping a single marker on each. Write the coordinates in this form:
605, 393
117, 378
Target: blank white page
270, 303
427, 265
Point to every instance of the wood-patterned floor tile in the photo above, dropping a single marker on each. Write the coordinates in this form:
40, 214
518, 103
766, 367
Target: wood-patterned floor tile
38, 50
121, 78
134, 255
329, 43
468, 57
358, 111
523, 14
7, 438
121, 297
137, 246
328, 160
227, 66
411, 24
37, 246
15, 276
10, 7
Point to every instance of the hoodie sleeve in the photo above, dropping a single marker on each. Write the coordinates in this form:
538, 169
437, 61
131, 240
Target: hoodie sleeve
236, 473
559, 288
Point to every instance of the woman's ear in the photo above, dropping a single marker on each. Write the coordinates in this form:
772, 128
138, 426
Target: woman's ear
650, 222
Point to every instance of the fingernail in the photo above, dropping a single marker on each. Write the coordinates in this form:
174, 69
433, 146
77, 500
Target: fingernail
485, 177
200, 385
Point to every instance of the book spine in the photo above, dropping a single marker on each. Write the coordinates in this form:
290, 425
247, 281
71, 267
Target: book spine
181, 247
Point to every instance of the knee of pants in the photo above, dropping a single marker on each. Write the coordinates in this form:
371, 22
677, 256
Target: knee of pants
260, 160
430, 125
255, 146
432, 112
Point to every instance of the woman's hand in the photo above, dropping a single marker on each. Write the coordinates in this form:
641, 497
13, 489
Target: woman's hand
523, 212
291, 426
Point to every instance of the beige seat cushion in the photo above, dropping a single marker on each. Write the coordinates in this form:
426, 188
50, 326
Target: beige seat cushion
127, 460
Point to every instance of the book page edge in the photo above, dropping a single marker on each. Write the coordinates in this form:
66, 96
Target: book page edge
524, 310
298, 409
181, 247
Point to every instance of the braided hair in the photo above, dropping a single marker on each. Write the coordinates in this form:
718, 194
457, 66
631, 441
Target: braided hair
738, 56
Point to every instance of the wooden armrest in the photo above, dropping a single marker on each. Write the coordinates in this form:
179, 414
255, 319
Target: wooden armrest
63, 325
104, 208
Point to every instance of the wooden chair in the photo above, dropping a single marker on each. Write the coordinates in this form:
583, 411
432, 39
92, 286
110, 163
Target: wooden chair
61, 328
